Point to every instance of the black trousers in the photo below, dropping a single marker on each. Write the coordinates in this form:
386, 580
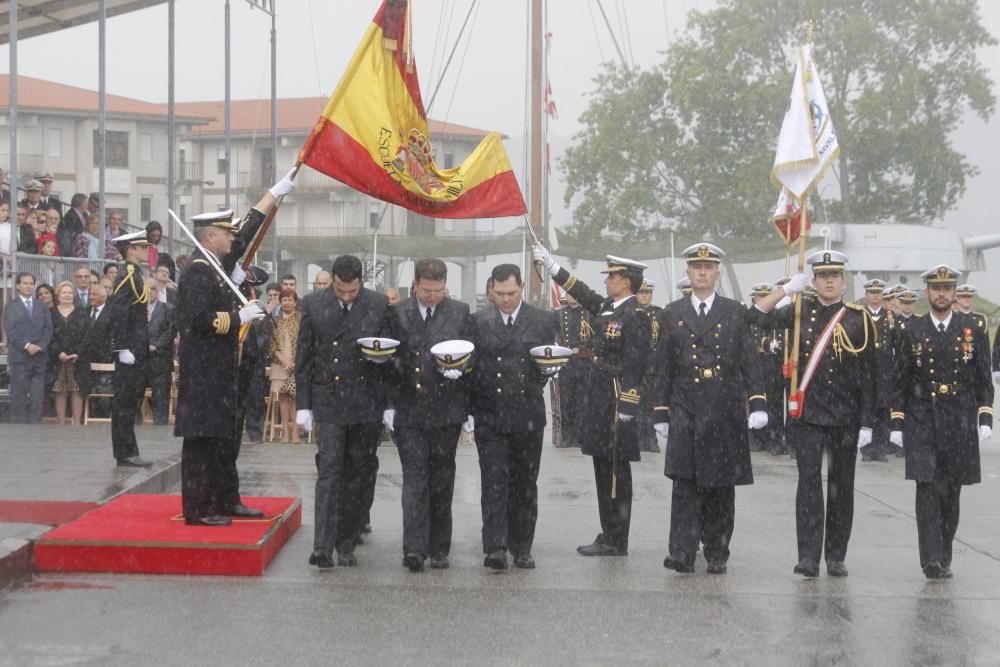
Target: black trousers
840, 445
27, 390
615, 513
158, 380
572, 395
774, 432
344, 468
508, 466
937, 519
229, 476
129, 384
880, 434
255, 412
202, 467
701, 514
428, 459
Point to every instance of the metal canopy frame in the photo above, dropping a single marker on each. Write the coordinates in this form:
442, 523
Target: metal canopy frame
40, 17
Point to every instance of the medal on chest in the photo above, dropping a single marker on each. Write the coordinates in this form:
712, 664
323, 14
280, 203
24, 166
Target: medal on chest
967, 344
613, 330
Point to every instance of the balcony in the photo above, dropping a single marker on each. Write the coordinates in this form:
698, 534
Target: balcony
188, 173
28, 164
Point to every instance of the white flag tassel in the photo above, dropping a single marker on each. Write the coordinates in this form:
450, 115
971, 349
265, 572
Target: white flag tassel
807, 144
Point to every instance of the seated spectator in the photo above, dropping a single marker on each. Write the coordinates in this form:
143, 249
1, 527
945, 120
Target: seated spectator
45, 294
97, 343
69, 329
73, 222
89, 244
286, 333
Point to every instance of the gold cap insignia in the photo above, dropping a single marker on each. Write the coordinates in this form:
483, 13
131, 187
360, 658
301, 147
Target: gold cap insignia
703, 251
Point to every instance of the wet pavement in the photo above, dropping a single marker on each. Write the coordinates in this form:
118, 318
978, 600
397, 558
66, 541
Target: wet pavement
571, 610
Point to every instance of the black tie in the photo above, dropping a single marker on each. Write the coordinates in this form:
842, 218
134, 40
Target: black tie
701, 310
427, 318
941, 327
344, 309
93, 315
510, 321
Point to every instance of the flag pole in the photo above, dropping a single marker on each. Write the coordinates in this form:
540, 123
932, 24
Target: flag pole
264, 227
796, 336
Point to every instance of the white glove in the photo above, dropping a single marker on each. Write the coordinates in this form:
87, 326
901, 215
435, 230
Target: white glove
774, 346
864, 437
784, 302
304, 419
662, 428
996, 376
470, 425
284, 186
896, 438
757, 420
238, 275
985, 433
126, 357
252, 311
541, 254
796, 284
625, 418
388, 417
450, 373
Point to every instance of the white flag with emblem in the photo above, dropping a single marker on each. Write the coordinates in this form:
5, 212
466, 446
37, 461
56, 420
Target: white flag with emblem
807, 144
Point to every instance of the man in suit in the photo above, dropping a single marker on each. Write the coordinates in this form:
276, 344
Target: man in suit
160, 362
508, 405
833, 410
344, 392
942, 408
28, 323
426, 412
621, 350
81, 280
73, 222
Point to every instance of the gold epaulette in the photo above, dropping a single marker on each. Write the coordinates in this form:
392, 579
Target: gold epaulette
222, 322
855, 306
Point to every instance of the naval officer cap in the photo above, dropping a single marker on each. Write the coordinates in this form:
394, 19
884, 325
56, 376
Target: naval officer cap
966, 290
890, 292
703, 252
45, 177
906, 296
131, 239
255, 276
762, 289
647, 286
34, 185
453, 354
827, 260
874, 285
550, 358
377, 349
622, 265
222, 219
684, 285
942, 274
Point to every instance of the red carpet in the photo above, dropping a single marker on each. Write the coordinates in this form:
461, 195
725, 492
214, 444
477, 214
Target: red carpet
45, 512
147, 534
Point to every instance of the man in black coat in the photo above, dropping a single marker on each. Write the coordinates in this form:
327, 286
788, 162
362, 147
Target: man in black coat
130, 342
160, 362
73, 222
574, 333
646, 432
881, 315
620, 354
209, 319
344, 392
942, 408
708, 376
508, 405
833, 410
427, 411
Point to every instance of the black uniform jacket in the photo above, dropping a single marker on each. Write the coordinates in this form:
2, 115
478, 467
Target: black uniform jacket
842, 392
621, 350
209, 322
421, 396
885, 327
128, 327
332, 376
707, 375
943, 391
507, 386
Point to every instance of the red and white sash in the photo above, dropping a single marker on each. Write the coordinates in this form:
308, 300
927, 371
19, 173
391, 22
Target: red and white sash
797, 400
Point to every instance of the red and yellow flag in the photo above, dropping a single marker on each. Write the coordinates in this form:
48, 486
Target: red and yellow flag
373, 135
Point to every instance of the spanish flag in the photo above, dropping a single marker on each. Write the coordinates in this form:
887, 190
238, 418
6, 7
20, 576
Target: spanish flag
373, 135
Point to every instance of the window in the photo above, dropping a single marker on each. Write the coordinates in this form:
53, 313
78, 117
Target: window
55, 142
145, 147
145, 209
221, 162
116, 149
373, 216
449, 160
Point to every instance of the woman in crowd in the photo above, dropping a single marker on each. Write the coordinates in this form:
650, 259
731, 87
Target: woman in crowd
69, 328
286, 332
88, 244
45, 294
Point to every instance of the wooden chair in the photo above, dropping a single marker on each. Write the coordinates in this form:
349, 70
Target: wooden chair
96, 368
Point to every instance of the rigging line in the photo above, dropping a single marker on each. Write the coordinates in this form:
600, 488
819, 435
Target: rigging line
628, 34
597, 34
312, 30
614, 40
444, 69
256, 126
439, 76
621, 29
437, 42
461, 63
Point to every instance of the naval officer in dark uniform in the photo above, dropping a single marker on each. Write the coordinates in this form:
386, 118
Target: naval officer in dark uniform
621, 351
128, 326
427, 410
647, 435
884, 321
942, 408
209, 320
965, 294
708, 377
345, 392
508, 406
833, 411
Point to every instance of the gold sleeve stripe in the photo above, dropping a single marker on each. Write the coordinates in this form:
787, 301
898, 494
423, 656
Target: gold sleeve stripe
630, 396
760, 396
661, 408
985, 410
202, 261
570, 282
897, 415
221, 322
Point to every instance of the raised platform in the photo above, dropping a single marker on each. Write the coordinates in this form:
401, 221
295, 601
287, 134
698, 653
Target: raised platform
146, 534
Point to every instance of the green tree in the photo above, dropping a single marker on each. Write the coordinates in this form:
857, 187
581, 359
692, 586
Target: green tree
691, 141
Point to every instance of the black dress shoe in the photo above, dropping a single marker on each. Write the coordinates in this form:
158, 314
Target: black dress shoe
933, 570
321, 559
866, 458
836, 568
524, 561
208, 521
439, 562
601, 548
807, 568
496, 560
946, 572
413, 561
245, 512
358, 541
715, 568
134, 462
880, 457
900, 453
677, 565
347, 559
